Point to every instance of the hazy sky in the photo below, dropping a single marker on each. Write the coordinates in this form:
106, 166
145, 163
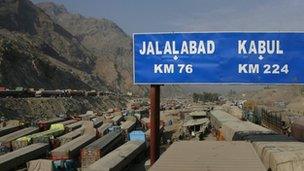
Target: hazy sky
194, 15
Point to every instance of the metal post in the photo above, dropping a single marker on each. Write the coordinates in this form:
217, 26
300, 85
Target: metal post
154, 123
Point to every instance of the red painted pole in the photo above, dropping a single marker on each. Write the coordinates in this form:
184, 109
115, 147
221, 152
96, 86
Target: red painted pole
154, 123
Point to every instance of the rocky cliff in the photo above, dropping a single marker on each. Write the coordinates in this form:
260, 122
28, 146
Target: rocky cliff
36, 52
106, 40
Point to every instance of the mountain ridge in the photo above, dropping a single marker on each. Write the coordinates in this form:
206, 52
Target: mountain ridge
36, 52
106, 40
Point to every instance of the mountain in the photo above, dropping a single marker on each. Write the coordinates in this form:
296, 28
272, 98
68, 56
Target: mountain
36, 52
105, 39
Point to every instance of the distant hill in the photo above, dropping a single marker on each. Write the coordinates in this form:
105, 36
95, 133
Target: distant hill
36, 52
109, 43
270, 95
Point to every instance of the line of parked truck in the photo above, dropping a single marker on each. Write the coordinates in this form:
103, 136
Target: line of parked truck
280, 121
21, 92
278, 152
91, 142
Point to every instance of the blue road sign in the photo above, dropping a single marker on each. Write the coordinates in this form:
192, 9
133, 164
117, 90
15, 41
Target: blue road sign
218, 58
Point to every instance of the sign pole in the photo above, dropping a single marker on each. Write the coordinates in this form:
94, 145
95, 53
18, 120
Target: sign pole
154, 123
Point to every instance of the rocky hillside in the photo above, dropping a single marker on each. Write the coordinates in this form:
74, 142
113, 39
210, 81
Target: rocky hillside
31, 109
270, 95
36, 52
111, 46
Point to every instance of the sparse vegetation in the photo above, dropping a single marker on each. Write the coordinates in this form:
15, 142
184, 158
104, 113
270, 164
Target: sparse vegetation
205, 97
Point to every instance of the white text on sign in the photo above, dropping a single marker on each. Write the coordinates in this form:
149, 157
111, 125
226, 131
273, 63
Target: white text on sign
259, 47
187, 47
267, 69
170, 68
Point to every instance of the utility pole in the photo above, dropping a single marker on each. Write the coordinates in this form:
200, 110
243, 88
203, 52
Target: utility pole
154, 123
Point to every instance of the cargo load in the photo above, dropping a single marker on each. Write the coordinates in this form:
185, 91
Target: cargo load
209, 155
219, 117
71, 149
89, 127
239, 130
87, 116
17, 134
117, 119
97, 122
70, 136
19, 143
104, 129
11, 160
101, 147
54, 131
68, 165
114, 128
268, 137
45, 125
120, 157
281, 156
128, 126
297, 129
73, 126
40, 165
68, 122
9, 129
137, 136
41, 137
